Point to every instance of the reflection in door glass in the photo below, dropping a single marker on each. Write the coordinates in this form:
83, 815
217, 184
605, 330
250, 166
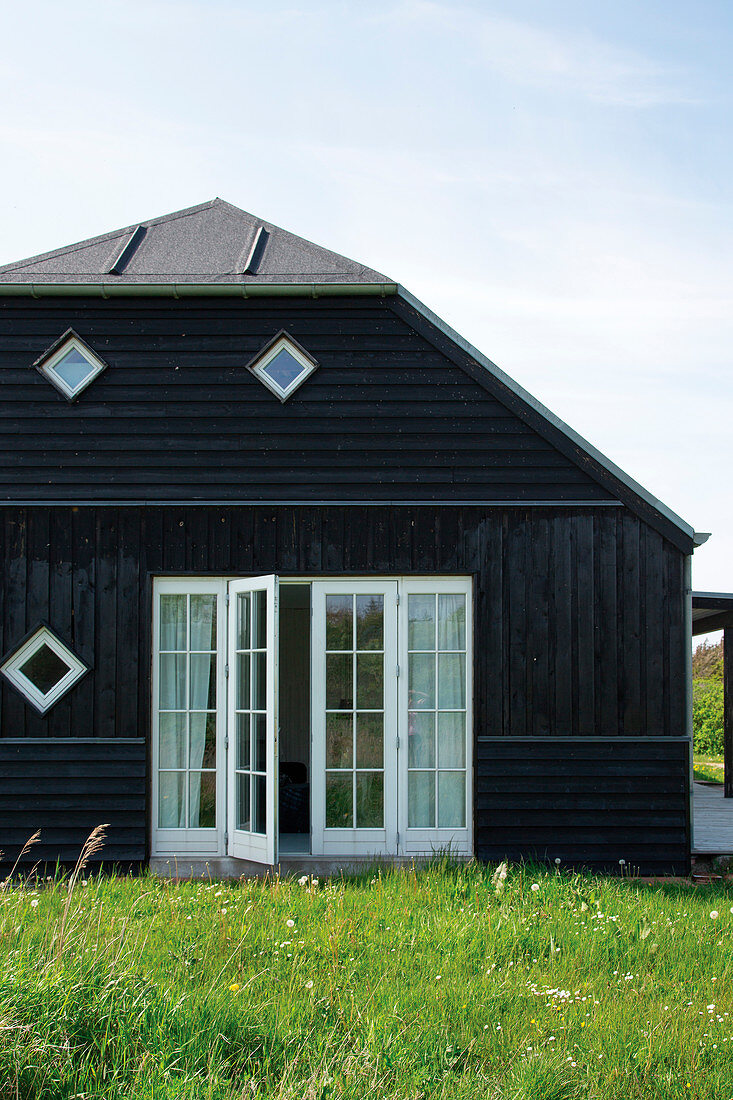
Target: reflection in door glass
436, 720
354, 788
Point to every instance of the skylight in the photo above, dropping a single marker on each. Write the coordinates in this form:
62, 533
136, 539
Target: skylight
43, 669
70, 365
283, 365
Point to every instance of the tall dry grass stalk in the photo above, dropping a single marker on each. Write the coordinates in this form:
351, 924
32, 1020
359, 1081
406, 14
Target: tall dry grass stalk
93, 844
35, 839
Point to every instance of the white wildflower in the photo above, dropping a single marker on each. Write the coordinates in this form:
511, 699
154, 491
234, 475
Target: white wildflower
499, 877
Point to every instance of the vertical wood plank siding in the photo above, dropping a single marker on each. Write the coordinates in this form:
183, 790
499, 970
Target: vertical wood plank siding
579, 635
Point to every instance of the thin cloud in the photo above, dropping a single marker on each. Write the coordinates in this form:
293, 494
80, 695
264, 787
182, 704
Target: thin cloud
579, 63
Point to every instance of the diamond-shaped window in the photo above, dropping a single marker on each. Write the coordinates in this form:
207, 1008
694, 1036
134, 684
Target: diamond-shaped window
283, 365
43, 669
70, 364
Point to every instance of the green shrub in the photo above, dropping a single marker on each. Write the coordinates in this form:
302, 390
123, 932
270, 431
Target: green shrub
707, 717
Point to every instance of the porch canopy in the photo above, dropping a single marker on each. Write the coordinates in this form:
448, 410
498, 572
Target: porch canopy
714, 611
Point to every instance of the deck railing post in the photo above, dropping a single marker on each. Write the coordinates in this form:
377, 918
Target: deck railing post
728, 710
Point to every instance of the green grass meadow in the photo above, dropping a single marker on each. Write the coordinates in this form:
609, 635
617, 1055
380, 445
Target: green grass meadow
708, 768
440, 982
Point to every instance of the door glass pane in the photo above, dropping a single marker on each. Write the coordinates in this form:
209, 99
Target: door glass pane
452, 680
451, 740
421, 682
421, 621
259, 620
173, 681
243, 700
259, 681
203, 622
259, 809
243, 744
339, 740
171, 800
259, 741
451, 621
243, 620
355, 735
369, 800
173, 622
243, 802
202, 748
188, 686
370, 740
421, 739
172, 740
339, 687
202, 800
339, 800
339, 622
370, 622
421, 800
203, 681
370, 681
436, 720
451, 800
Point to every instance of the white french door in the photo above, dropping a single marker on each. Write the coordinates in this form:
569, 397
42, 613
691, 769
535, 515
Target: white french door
252, 710
354, 718
391, 716
435, 708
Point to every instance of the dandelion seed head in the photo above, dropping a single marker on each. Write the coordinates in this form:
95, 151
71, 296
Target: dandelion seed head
714, 914
535, 887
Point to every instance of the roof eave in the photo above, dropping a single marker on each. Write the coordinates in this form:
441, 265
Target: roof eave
185, 290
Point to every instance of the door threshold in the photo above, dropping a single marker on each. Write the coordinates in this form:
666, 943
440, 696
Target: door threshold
229, 867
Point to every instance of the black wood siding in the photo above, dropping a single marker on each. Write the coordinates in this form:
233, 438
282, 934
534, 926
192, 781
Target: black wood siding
579, 615
387, 416
585, 802
66, 787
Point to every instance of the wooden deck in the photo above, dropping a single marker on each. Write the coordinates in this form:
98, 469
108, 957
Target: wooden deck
713, 821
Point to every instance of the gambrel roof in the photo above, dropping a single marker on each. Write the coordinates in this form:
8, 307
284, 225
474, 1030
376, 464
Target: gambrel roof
214, 243
218, 249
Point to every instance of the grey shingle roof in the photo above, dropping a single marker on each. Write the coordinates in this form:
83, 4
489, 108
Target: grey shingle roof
214, 243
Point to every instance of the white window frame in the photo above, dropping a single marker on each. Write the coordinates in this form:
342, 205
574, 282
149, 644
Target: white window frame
423, 841
282, 342
48, 361
11, 669
188, 841
354, 841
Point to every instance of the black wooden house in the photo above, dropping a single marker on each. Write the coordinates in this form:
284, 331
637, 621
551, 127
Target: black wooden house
293, 573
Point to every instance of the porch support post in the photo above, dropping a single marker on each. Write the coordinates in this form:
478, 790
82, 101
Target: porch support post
728, 710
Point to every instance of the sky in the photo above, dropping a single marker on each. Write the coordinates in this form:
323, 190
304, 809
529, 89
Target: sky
551, 178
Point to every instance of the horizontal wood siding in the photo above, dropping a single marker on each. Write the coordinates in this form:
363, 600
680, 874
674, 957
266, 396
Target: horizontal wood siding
387, 416
66, 787
586, 803
579, 614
